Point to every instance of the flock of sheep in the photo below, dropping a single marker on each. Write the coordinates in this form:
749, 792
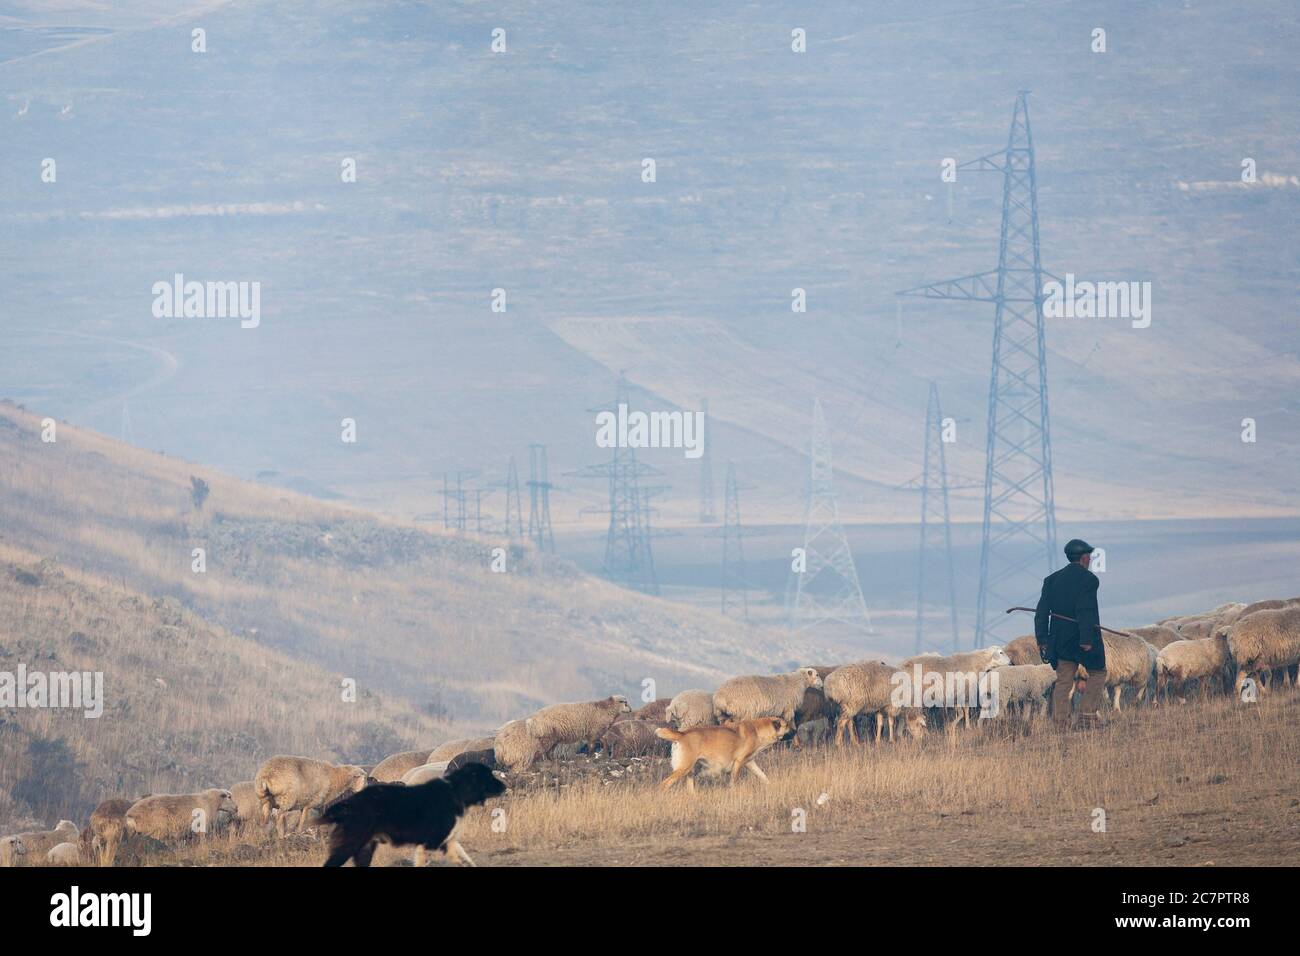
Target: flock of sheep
1217, 650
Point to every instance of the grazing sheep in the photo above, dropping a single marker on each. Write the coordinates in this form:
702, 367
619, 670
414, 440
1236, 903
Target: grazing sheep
691, 708
1272, 604
34, 845
107, 827
961, 675
1130, 662
1157, 635
301, 783
1263, 641
1229, 613
634, 738
814, 709
487, 758
168, 816
1023, 650
248, 808
1196, 629
514, 747
430, 771
454, 748
654, 711
1023, 686
1200, 626
775, 695
390, 769
12, 851
866, 687
575, 723
1202, 660
64, 854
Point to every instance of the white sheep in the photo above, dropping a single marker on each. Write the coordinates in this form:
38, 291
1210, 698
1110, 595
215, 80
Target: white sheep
181, 816
425, 773
867, 687
1157, 635
1023, 650
1182, 661
1130, 662
576, 723
64, 854
1272, 604
960, 674
514, 747
13, 852
33, 845
773, 695
1263, 641
301, 783
1022, 687
390, 769
454, 748
248, 808
691, 708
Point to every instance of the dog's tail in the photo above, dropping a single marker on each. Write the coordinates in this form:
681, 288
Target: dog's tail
667, 733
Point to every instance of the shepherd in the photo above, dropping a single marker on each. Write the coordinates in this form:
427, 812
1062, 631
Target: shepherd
1067, 626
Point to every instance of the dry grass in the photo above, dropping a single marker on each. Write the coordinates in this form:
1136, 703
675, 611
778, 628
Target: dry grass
186, 705
1214, 782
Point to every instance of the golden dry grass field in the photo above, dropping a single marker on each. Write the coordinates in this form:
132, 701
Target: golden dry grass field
1209, 783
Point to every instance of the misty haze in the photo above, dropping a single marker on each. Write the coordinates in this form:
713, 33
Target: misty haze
378, 375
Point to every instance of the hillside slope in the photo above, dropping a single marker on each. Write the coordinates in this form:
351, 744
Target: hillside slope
186, 705
401, 609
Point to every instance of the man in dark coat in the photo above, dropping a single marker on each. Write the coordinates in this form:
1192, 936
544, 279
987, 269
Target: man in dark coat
1072, 592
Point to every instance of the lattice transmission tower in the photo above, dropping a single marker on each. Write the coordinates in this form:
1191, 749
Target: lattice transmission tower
539, 500
629, 560
514, 508
1019, 532
708, 514
828, 589
735, 579
936, 530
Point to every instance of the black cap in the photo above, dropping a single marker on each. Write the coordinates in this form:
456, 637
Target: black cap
1077, 548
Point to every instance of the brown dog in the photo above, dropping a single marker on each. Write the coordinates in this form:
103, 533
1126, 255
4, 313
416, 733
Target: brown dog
723, 749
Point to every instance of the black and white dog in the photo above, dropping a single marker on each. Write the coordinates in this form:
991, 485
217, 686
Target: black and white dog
425, 815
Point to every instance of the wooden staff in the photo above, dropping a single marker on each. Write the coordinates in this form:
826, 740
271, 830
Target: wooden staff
1062, 617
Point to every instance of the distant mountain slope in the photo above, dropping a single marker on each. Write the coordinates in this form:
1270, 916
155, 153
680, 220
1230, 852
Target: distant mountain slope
401, 609
775, 170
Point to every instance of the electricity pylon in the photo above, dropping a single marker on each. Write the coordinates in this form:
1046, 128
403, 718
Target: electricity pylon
707, 513
514, 510
936, 530
629, 560
539, 500
827, 590
734, 576
1019, 533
